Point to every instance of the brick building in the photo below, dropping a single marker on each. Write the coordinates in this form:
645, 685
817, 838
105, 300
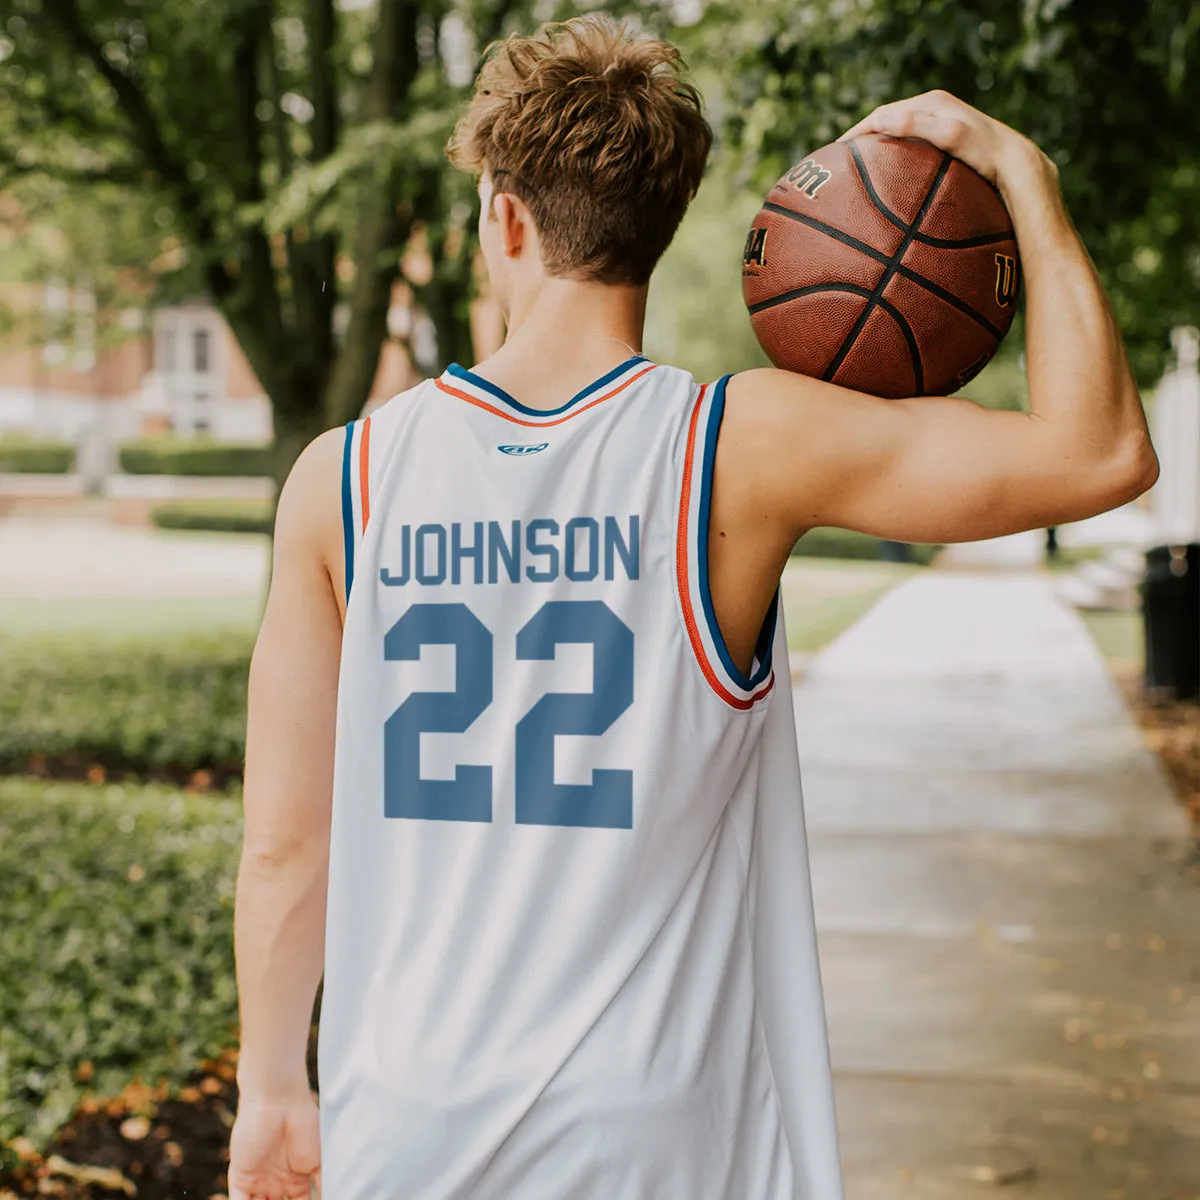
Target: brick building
179, 370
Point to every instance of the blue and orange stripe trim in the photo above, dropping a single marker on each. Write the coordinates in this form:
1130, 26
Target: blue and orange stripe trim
732, 685
356, 490
466, 385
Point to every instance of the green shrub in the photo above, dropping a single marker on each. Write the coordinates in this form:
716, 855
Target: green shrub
221, 516
149, 705
843, 543
179, 456
29, 456
116, 948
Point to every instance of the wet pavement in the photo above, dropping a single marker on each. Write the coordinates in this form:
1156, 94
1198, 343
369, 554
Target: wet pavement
1008, 906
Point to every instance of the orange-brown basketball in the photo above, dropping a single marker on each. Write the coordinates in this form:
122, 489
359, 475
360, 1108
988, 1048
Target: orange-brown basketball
882, 264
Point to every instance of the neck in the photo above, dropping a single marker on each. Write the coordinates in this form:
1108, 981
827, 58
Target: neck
564, 333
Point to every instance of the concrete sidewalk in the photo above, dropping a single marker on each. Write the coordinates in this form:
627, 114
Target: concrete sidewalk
1009, 917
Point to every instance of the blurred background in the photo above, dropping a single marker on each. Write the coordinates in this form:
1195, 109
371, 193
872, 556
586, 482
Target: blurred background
227, 225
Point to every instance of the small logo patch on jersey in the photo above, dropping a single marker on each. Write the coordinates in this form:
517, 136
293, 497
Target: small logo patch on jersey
528, 448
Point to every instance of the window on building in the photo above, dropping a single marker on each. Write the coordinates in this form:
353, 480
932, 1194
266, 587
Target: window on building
200, 348
57, 305
168, 351
85, 329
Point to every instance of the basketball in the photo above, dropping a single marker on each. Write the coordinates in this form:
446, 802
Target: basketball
884, 265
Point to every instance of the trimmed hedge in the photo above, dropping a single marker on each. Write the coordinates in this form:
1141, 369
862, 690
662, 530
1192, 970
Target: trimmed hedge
844, 543
29, 456
178, 456
149, 705
221, 516
116, 948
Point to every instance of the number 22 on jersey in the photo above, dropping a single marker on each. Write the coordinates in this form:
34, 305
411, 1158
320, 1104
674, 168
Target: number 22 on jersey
605, 803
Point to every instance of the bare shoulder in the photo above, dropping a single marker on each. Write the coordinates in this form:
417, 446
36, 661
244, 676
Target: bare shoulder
308, 521
776, 438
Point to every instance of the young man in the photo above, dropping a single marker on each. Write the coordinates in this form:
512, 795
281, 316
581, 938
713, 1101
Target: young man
520, 778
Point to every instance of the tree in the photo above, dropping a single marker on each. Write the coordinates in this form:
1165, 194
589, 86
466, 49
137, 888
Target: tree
291, 150
1110, 89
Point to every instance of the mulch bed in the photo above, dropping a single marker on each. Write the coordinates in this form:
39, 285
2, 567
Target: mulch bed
143, 1143
1173, 730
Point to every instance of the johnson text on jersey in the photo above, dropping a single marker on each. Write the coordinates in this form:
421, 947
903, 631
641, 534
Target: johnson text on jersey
538, 551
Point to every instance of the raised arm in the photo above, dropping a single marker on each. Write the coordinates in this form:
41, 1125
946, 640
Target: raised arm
795, 453
279, 917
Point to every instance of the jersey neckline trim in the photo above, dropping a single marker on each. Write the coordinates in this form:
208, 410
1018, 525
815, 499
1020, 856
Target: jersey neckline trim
627, 374
463, 375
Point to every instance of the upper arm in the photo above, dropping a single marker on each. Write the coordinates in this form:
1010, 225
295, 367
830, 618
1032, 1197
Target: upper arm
801, 453
294, 669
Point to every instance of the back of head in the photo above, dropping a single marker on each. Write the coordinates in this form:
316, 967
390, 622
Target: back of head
599, 136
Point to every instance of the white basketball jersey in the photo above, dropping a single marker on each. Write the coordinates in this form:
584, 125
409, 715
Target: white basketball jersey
570, 951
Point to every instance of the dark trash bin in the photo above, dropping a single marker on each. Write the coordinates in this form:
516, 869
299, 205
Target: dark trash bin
1171, 608
893, 552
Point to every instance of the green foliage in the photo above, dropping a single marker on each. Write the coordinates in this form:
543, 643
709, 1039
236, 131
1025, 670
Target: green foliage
278, 157
171, 456
34, 457
695, 317
844, 543
117, 943
1110, 90
145, 705
217, 516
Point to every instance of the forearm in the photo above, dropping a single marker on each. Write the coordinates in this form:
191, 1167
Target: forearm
279, 936
1080, 385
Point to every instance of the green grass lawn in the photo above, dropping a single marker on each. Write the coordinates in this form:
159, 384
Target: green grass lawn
116, 948
1118, 636
123, 617
824, 597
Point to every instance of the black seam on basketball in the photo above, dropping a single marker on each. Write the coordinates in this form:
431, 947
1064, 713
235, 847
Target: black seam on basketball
888, 272
847, 239
785, 297
914, 351
861, 167
926, 239
950, 298
984, 239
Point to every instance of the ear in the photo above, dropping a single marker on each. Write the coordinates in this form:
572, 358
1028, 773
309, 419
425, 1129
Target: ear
516, 223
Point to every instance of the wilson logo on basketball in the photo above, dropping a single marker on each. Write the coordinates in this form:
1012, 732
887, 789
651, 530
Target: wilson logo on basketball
756, 248
808, 177
1006, 280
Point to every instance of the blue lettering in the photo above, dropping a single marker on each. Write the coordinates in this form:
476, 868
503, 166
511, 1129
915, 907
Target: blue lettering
592, 528
535, 550
424, 574
629, 551
509, 551
458, 552
385, 576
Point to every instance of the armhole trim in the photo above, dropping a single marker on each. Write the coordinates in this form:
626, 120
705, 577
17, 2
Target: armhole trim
348, 507
737, 689
356, 490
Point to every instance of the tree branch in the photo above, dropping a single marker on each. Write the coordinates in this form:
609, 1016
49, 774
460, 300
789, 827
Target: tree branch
125, 174
322, 32
255, 307
384, 228
146, 134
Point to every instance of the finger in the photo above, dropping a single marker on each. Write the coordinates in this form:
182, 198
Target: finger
891, 118
946, 132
